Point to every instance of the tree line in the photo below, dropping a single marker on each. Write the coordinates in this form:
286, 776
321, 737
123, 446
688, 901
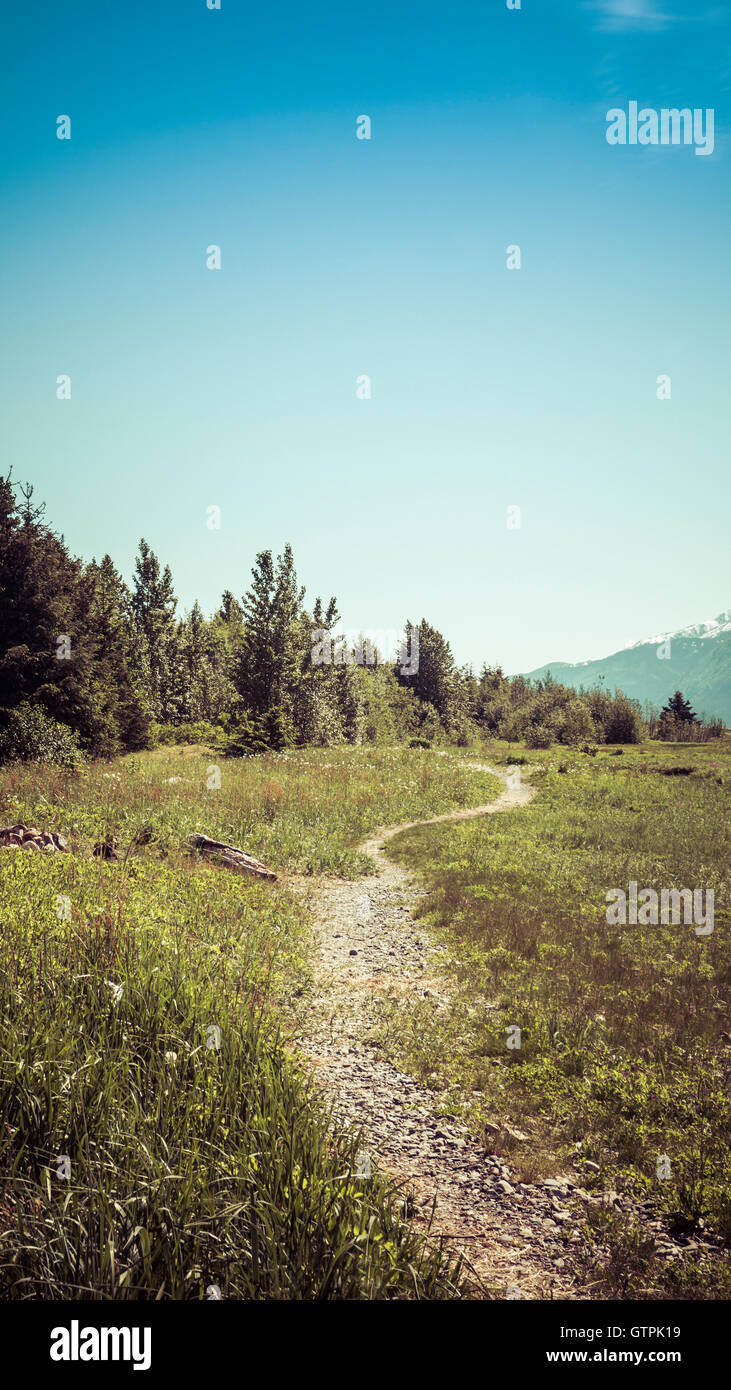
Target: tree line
90, 665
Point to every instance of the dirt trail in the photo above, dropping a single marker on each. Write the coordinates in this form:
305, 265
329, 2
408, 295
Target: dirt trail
516, 1236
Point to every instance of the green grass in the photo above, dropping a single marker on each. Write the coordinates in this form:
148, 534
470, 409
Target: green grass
625, 1050
303, 811
191, 1165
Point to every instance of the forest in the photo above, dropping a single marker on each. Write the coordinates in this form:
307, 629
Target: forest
94, 667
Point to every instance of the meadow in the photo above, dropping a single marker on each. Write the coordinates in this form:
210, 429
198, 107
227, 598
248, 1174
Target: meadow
159, 1138
624, 1052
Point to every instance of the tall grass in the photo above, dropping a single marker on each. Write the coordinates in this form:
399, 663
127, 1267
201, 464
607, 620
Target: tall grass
624, 1051
159, 1139
303, 811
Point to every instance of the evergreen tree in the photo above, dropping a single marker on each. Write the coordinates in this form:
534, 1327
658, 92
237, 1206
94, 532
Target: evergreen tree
679, 709
119, 696
64, 651
153, 606
255, 677
434, 680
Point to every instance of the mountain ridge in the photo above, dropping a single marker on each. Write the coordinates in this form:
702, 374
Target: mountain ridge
695, 659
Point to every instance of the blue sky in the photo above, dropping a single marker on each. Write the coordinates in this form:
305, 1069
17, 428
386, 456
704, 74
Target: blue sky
341, 257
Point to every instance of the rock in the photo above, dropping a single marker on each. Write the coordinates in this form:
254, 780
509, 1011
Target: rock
106, 849
27, 836
506, 1188
604, 1199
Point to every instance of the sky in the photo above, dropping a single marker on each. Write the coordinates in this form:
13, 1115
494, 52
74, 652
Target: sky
490, 388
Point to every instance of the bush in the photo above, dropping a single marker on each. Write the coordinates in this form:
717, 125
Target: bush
276, 730
31, 736
202, 731
577, 724
539, 737
624, 722
419, 743
245, 739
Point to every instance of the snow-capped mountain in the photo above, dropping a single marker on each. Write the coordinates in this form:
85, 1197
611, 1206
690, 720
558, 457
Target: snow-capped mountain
695, 659
712, 628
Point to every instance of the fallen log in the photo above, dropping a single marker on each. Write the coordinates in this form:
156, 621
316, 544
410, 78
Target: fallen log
230, 856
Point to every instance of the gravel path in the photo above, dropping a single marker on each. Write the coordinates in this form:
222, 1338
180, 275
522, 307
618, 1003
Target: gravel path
517, 1237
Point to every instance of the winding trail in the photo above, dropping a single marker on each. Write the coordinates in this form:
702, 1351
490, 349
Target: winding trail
516, 1237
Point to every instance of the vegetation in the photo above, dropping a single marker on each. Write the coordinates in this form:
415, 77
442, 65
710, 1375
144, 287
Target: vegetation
625, 1050
140, 1159
118, 668
159, 1139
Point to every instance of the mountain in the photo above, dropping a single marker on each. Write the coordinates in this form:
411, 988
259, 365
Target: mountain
695, 659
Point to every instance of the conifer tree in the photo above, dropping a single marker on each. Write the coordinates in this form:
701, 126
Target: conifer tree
153, 605
679, 709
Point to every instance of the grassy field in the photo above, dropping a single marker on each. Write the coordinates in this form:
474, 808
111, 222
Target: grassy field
158, 1139
625, 1042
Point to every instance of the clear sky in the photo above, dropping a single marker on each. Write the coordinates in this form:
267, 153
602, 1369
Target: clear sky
491, 387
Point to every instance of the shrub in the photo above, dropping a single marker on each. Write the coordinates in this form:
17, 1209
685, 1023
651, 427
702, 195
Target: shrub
30, 735
419, 743
245, 739
621, 721
276, 730
202, 731
539, 737
577, 724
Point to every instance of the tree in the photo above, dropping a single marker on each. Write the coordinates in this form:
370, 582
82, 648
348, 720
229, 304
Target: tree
119, 696
153, 606
275, 674
679, 709
434, 681
64, 633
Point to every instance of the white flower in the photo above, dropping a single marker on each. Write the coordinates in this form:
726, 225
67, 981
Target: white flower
116, 991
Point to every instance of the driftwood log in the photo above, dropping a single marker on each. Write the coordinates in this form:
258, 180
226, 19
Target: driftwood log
232, 857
